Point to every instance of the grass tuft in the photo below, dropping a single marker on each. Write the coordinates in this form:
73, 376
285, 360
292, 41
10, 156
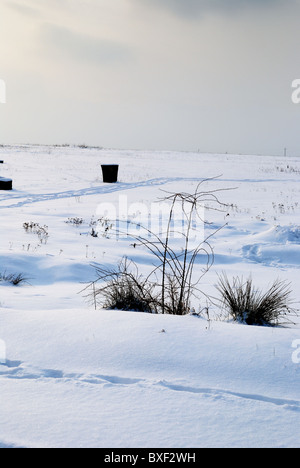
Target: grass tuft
14, 279
249, 305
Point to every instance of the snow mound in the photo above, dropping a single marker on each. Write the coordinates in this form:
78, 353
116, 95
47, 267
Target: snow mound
280, 235
46, 269
272, 255
278, 245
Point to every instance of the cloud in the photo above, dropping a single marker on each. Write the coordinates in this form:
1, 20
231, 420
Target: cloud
22, 9
195, 8
67, 43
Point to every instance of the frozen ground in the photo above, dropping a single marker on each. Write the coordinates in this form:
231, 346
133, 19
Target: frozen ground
76, 377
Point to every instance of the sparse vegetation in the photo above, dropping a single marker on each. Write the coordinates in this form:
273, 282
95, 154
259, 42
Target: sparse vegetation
13, 278
288, 169
171, 285
100, 226
35, 228
74, 221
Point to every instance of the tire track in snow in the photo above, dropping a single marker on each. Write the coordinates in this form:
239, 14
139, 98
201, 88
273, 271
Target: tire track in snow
293, 405
28, 199
19, 371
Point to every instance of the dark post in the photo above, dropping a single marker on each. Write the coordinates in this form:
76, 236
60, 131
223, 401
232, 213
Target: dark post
110, 172
5, 184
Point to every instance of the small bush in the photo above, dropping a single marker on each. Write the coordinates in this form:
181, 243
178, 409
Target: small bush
248, 305
122, 294
123, 289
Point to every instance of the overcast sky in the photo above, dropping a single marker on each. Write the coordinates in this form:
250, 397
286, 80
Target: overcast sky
207, 75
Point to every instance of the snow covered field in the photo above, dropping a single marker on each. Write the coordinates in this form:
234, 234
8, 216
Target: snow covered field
73, 376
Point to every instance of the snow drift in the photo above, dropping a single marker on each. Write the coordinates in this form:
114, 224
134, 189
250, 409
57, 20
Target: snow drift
78, 377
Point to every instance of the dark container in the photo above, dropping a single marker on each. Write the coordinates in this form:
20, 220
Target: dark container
1, 162
5, 184
110, 173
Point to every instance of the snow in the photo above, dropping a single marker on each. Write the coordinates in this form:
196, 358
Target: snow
74, 376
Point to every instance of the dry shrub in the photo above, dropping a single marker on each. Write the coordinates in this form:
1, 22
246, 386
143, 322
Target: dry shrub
247, 304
